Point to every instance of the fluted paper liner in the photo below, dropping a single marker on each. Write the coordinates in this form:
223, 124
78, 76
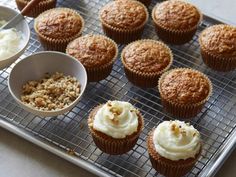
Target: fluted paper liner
217, 62
173, 36
124, 36
98, 73
183, 110
53, 43
111, 145
41, 7
169, 168
143, 79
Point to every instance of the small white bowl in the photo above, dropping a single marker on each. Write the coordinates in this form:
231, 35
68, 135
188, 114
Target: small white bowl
23, 27
35, 66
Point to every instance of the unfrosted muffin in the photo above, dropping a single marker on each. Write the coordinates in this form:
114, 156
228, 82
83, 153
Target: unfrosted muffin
218, 47
123, 20
57, 27
174, 147
38, 9
184, 91
176, 21
145, 60
96, 52
115, 126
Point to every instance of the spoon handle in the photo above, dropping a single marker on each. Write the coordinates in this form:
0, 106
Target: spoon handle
29, 7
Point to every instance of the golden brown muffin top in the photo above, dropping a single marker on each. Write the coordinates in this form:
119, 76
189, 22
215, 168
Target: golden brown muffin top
147, 56
59, 23
92, 50
176, 14
219, 40
185, 86
124, 14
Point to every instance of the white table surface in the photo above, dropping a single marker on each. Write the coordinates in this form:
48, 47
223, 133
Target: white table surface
19, 158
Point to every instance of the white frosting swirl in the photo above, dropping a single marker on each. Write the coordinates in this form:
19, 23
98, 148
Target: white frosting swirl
176, 140
116, 119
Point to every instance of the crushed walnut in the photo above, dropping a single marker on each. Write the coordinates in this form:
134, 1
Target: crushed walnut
53, 92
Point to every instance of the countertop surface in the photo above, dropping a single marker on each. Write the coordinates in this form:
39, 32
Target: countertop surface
19, 158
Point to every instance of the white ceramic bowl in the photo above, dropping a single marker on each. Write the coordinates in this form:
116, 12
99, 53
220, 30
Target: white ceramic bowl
7, 14
35, 66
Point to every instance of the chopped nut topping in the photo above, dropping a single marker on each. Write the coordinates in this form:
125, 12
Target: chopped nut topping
53, 92
116, 111
109, 104
183, 132
71, 152
175, 129
115, 121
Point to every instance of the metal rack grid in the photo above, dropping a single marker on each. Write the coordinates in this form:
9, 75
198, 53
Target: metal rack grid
69, 132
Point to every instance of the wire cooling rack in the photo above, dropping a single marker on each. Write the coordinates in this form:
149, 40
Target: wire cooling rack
68, 136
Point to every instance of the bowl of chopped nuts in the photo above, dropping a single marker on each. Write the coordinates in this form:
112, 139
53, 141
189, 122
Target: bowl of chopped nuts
47, 83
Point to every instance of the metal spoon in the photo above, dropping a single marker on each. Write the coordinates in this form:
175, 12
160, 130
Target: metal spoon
15, 20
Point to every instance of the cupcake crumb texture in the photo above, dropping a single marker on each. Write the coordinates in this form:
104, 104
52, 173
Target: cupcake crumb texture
176, 14
59, 23
185, 86
124, 14
219, 40
147, 56
92, 50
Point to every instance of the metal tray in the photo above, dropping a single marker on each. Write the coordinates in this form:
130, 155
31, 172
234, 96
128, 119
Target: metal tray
68, 136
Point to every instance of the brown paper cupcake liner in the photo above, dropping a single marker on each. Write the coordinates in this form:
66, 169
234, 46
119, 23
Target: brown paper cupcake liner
141, 79
173, 36
38, 9
101, 72
183, 110
124, 36
111, 145
57, 44
216, 62
168, 167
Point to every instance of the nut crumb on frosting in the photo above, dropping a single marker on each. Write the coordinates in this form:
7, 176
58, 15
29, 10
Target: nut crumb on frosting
53, 92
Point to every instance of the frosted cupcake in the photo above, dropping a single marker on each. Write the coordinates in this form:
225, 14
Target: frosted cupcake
174, 147
115, 126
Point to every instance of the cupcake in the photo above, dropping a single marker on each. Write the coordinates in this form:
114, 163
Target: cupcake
38, 9
123, 20
176, 21
218, 47
174, 147
57, 27
96, 52
145, 60
184, 91
115, 126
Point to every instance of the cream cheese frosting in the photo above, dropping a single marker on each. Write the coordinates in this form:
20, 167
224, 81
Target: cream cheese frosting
176, 140
117, 119
10, 42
